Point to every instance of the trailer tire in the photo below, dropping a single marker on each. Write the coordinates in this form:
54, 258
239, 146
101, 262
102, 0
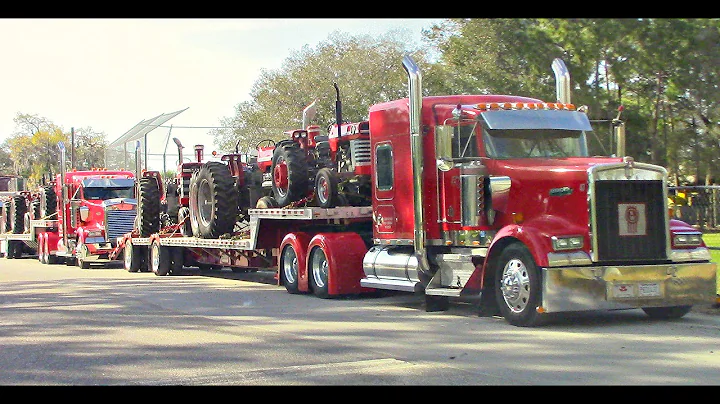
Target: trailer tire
149, 206
326, 188
289, 173
666, 313
318, 271
289, 269
159, 259
177, 257
18, 208
132, 257
518, 287
213, 200
48, 203
10, 246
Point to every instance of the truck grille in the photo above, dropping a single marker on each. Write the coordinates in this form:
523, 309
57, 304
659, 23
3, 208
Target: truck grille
119, 222
360, 152
629, 220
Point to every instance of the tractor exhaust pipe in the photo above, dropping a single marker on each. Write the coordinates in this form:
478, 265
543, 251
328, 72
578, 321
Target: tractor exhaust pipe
416, 152
180, 147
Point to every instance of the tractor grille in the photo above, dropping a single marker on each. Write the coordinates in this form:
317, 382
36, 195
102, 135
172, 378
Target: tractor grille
119, 222
630, 220
360, 152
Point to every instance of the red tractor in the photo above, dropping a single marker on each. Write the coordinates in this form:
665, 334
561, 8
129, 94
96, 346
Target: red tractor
327, 170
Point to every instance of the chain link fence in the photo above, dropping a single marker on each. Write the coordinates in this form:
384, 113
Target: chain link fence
696, 205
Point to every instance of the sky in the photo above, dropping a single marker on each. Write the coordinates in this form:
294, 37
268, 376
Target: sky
110, 74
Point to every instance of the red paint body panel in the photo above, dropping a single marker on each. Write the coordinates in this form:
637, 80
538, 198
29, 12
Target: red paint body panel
389, 124
345, 253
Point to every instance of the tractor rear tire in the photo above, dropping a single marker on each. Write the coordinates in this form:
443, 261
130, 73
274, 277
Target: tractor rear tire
48, 203
213, 201
149, 207
18, 208
289, 173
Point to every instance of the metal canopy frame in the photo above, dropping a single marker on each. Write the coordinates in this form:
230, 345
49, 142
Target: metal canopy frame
141, 130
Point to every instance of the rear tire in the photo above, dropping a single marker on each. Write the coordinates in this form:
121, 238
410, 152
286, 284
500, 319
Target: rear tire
289, 173
132, 258
48, 203
318, 269
213, 200
18, 208
159, 259
149, 206
289, 269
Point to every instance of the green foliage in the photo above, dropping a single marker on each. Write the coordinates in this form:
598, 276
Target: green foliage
35, 153
366, 70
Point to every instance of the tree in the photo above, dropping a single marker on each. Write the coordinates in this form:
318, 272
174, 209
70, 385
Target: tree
34, 148
367, 71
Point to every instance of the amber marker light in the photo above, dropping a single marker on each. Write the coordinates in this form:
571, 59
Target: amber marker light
518, 217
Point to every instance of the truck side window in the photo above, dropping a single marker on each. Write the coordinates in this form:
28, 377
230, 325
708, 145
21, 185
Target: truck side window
464, 143
384, 165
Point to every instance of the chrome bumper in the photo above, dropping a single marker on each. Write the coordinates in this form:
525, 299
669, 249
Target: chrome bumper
627, 287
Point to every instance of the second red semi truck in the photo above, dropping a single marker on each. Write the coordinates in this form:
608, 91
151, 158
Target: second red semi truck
491, 198
80, 216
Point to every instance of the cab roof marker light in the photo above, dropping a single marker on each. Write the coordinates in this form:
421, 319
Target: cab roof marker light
494, 106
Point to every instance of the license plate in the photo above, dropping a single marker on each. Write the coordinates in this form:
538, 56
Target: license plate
649, 289
631, 290
623, 291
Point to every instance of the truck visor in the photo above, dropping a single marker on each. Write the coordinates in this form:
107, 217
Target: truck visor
108, 182
537, 119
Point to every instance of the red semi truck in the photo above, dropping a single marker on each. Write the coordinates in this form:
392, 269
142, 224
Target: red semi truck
489, 198
82, 215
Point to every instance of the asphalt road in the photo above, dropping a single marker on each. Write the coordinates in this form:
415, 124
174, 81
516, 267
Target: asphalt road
62, 325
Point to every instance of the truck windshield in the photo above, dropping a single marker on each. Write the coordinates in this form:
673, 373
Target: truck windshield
527, 143
94, 193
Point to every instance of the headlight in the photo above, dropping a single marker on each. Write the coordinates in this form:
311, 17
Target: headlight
687, 240
567, 243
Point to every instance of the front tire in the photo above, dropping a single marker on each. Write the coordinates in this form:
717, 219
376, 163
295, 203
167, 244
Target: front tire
517, 286
666, 313
326, 188
82, 257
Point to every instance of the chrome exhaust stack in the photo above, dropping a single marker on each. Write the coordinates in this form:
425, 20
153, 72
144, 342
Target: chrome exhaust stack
562, 81
416, 152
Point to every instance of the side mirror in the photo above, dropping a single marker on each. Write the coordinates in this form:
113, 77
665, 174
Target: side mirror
443, 147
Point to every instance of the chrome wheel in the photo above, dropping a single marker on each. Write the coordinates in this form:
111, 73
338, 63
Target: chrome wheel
515, 285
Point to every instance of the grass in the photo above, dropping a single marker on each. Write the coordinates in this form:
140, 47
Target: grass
713, 240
